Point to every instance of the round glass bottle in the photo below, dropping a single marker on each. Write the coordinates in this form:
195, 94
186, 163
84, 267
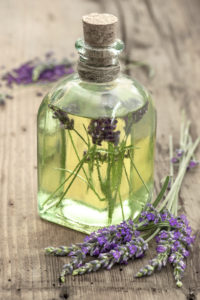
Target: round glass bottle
96, 136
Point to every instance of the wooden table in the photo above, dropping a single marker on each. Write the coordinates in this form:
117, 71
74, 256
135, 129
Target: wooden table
163, 33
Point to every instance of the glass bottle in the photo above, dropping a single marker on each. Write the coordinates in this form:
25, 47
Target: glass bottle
96, 136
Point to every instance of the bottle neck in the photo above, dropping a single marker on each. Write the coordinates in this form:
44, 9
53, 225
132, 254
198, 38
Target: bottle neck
98, 64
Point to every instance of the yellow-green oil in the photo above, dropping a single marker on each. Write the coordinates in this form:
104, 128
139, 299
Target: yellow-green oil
60, 151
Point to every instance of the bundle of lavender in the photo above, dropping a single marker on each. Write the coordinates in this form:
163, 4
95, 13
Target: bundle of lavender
117, 244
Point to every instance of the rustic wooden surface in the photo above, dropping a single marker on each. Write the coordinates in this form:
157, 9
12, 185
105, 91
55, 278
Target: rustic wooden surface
163, 33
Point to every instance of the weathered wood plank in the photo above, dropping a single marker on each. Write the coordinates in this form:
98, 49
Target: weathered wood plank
165, 34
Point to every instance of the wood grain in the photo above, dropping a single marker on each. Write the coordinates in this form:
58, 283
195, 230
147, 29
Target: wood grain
163, 33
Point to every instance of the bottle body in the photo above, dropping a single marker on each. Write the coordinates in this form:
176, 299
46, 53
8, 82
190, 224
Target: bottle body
95, 152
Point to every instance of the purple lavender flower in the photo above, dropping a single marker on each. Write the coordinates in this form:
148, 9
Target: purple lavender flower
179, 152
176, 245
189, 240
178, 157
184, 219
130, 250
76, 262
161, 249
179, 267
164, 216
53, 73
172, 257
150, 216
116, 255
110, 237
164, 234
193, 164
172, 246
174, 160
173, 222
177, 235
119, 243
136, 233
34, 71
182, 264
104, 130
156, 263
101, 240
105, 240
185, 252
85, 249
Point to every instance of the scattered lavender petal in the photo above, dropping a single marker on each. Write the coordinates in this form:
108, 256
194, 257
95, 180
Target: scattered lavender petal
49, 71
193, 164
174, 160
39, 94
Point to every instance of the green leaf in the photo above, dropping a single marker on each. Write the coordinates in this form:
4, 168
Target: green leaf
39, 69
63, 183
71, 182
137, 171
71, 172
162, 192
87, 136
82, 138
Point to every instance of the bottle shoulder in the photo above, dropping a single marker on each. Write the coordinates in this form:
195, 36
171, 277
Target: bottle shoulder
94, 100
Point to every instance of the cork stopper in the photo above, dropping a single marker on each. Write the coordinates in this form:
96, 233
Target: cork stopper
99, 29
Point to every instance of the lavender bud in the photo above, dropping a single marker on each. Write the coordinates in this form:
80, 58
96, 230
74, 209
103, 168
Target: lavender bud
179, 152
179, 284
103, 130
161, 249
120, 255
174, 160
62, 116
61, 251
192, 164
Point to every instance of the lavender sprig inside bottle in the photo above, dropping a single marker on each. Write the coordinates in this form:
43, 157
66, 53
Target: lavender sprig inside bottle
62, 116
104, 130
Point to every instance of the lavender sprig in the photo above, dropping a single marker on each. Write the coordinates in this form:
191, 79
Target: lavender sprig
156, 263
76, 262
133, 249
188, 147
109, 237
173, 246
61, 250
105, 240
101, 241
179, 267
62, 116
